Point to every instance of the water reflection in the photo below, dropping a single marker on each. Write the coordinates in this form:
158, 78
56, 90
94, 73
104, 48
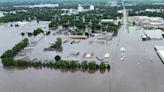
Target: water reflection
90, 71
115, 34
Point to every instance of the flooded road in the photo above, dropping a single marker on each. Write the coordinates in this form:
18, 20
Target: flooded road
141, 71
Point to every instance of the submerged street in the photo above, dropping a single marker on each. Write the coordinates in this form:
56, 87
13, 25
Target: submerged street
142, 70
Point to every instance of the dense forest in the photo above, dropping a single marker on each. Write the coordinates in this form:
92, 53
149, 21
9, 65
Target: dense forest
91, 19
139, 10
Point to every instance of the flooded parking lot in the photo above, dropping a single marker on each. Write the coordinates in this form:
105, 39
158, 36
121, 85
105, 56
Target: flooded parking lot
140, 71
81, 46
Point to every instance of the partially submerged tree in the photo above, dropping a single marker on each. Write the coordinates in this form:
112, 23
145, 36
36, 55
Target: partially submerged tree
38, 31
57, 58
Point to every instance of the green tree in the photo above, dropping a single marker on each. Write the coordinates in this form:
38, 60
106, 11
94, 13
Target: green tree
53, 25
8, 61
92, 65
102, 66
84, 65
57, 58
38, 31
73, 64
58, 44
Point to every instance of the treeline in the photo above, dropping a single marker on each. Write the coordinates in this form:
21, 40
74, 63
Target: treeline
42, 14
62, 64
18, 47
110, 27
82, 21
139, 10
141, 7
150, 14
9, 54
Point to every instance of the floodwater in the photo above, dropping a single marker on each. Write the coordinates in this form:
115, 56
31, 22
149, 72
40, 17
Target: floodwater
9, 36
140, 71
81, 46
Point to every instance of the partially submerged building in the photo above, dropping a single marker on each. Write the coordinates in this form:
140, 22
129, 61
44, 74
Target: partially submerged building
78, 37
105, 36
154, 34
19, 23
107, 55
148, 22
160, 52
107, 20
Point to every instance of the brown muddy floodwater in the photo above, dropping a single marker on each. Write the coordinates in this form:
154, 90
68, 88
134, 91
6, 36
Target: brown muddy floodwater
141, 71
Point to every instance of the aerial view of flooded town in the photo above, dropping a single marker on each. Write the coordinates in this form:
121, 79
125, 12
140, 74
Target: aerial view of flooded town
81, 46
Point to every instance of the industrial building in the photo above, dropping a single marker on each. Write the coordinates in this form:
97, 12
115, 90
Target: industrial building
154, 34
160, 52
148, 22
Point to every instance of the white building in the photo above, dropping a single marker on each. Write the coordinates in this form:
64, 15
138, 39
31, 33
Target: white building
106, 20
80, 8
154, 34
120, 11
160, 52
92, 7
153, 10
21, 23
148, 22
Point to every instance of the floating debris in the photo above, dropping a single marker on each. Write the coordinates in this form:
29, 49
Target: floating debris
122, 49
